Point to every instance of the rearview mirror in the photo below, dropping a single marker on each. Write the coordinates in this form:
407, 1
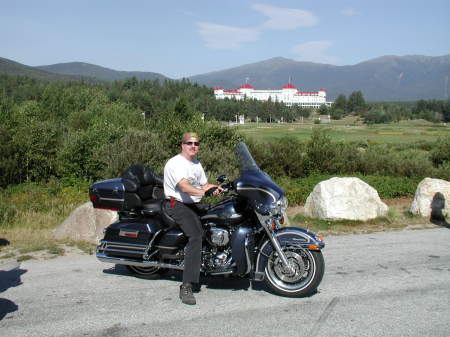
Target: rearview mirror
222, 178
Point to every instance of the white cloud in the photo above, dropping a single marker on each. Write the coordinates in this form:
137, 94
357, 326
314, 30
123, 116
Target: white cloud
350, 12
285, 18
314, 51
226, 37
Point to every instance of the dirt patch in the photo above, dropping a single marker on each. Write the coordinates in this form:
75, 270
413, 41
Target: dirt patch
401, 204
292, 211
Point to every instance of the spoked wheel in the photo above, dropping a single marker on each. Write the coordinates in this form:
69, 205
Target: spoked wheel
301, 279
145, 271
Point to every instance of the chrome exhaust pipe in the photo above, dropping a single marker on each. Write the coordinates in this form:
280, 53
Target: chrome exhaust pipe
122, 260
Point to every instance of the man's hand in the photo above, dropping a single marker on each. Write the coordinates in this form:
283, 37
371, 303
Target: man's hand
216, 192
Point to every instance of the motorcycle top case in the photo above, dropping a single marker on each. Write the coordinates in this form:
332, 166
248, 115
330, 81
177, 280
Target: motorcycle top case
108, 194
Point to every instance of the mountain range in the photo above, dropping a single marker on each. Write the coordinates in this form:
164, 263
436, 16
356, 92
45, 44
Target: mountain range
99, 73
386, 78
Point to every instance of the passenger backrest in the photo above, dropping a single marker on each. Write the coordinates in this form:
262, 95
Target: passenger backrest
143, 183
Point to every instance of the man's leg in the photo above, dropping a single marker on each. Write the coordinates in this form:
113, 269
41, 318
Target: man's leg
192, 228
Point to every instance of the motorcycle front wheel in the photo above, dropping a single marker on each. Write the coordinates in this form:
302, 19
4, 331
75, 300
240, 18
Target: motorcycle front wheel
302, 279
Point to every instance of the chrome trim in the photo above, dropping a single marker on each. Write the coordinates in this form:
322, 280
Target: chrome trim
118, 247
247, 256
121, 250
259, 276
150, 244
221, 272
120, 260
111, 199
259, 189
121, 243
215, 216
124, 232
107, 246
276, 244
166, 247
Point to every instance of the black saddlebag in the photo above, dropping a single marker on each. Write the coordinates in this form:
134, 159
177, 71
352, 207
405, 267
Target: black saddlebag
129, 238
136, 186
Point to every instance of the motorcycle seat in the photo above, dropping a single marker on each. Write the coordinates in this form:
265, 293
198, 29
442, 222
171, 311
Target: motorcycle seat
151, 207
157, 207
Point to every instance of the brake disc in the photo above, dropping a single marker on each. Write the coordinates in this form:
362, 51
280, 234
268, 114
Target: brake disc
292, 274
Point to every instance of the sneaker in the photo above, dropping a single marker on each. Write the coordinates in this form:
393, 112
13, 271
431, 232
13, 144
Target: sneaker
186, 295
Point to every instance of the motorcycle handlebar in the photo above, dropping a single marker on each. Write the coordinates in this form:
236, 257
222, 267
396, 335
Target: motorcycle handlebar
225, 189
210, 191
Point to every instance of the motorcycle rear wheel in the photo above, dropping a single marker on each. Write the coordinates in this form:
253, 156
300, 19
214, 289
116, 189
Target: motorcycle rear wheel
307, 271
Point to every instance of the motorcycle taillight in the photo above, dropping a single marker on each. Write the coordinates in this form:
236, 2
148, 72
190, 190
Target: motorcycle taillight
93, 197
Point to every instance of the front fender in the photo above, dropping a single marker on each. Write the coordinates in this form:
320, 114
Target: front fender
286, 236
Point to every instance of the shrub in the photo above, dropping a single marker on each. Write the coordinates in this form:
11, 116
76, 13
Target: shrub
282, 157
320, 151
7, 214
440, 152
134, 147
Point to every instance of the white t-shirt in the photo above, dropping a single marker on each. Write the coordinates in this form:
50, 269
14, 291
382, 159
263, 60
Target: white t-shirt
178, 168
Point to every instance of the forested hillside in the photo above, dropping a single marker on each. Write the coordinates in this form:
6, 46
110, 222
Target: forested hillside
14, 68
91, 131
99, 73
79, 130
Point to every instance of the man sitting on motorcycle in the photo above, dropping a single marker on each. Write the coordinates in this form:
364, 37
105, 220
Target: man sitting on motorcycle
185, 183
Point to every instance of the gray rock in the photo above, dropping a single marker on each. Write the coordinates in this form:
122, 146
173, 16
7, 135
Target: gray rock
85, 223
344, 198
432, 196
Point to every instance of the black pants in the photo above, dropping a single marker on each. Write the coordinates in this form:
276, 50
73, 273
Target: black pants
190, 225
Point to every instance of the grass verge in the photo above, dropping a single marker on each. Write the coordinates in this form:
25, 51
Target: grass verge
398, 218
28, 214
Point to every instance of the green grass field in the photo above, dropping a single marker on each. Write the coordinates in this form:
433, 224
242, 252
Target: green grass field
348, 130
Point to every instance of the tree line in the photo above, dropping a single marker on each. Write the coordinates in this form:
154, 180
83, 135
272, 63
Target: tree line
81, 130
386, 112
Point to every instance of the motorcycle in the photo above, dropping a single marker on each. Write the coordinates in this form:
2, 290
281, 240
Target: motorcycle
244, 233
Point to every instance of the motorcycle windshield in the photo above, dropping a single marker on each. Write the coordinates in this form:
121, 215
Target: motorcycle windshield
253, 183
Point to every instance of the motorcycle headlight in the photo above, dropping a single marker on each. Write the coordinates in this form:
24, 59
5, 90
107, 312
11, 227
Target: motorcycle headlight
275, 208
283, 204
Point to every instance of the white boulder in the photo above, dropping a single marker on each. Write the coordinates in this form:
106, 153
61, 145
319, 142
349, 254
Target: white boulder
85, 223
432, 196
344, 198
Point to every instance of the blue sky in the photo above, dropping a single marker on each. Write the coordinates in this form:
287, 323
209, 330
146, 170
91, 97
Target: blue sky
189, 37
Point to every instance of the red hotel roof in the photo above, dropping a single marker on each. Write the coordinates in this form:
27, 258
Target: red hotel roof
246, 86
289, 86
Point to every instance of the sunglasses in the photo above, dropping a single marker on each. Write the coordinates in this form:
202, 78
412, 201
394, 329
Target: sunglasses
192, 143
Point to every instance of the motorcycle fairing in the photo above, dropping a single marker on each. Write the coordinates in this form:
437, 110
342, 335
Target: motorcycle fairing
242, 246
287, 236
257, 187
227, 212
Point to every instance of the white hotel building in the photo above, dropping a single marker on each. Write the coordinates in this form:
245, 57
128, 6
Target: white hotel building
289, 95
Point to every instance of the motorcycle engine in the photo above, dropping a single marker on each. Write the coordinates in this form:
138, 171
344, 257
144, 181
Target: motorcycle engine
217, 255
217, 236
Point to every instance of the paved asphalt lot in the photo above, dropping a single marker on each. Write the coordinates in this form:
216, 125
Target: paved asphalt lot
388, 284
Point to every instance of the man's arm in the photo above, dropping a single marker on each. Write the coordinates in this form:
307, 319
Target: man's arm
185, 187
